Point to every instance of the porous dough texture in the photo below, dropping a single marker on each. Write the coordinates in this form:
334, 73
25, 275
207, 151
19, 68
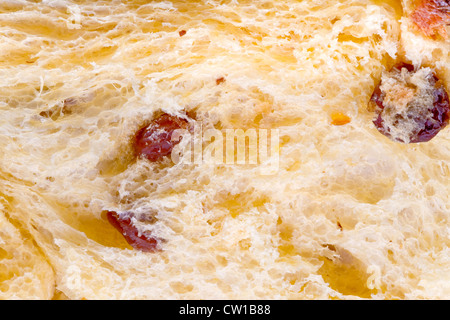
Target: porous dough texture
349, 214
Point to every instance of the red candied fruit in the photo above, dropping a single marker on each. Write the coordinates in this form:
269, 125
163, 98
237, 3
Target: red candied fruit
431, 17
154, 142
143, 241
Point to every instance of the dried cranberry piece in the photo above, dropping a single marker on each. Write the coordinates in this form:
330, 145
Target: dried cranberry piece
403, 65
143, 241
422, 114
154, 141
377, 97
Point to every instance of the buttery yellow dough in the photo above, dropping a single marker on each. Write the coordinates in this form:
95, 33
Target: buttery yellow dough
349, 213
